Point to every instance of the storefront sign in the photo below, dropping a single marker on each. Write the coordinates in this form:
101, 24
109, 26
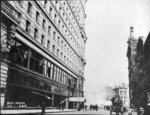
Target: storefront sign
77, 99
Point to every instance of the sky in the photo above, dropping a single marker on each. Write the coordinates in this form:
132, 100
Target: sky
107, 28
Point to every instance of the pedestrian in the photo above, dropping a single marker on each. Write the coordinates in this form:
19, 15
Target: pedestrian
43, 108
61, 105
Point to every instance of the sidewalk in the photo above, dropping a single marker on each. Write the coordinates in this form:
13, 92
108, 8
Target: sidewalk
33, 111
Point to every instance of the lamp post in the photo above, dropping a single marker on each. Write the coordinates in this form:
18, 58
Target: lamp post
43, 103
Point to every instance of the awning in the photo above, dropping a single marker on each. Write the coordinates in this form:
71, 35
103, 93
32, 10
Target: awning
77, 99
41, 95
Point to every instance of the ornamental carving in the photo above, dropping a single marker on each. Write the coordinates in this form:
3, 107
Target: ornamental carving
7, 38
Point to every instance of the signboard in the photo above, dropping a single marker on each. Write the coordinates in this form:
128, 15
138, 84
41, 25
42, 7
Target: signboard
77, 99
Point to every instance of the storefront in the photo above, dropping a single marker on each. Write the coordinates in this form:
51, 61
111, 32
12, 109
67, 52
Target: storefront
26, 90
74, 102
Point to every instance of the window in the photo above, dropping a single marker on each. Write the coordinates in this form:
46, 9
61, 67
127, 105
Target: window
35, 33
65, 48
53, 49
43, 25
29, 8
19, 16
42, 40
52, 67
50, 11
62, 44
59, 24
45, 3
27, 26
55, 18
54, 36
60, 76
48, 45
54, 75
49, 70
19, 54
36, 62
57, 53
65, 59
58, 41
49, 30
61, 56
20, 2
37, 16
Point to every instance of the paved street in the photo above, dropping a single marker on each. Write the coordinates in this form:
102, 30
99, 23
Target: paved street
99, 112
54, 112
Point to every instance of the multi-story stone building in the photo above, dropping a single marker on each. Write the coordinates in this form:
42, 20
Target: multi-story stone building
131, 54
122, 90
42, 52
139, 60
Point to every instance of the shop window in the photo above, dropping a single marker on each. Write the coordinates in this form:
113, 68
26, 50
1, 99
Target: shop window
37, 85
32, 83
36, 62
45, 86
19, 54
18, 79
26, 81
49, 88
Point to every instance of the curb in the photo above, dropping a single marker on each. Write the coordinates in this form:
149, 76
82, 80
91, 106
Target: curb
32, 112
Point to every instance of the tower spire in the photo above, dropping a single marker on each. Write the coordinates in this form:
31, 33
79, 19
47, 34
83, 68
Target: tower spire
131, 32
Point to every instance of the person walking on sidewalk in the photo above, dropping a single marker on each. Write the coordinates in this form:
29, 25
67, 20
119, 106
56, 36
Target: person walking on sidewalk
43, 108
61, 105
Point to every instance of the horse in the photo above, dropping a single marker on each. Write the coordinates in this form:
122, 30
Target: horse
94, 107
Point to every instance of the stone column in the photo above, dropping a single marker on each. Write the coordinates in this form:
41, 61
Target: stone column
6, 43
3, 83
52, 100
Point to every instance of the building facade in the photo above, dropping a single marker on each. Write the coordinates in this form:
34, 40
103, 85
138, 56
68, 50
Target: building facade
122, 90
139, 85
42, 53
